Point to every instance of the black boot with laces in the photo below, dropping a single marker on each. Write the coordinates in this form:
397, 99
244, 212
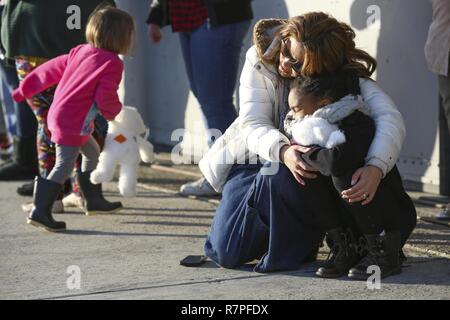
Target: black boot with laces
342, 255
384, 252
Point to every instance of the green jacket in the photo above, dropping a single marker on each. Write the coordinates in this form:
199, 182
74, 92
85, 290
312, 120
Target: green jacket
220, 12
38, 28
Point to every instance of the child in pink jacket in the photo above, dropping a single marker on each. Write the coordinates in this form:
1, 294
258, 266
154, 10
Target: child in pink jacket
88, 78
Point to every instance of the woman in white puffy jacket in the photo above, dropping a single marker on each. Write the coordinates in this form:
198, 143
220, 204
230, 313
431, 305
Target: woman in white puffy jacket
262, 214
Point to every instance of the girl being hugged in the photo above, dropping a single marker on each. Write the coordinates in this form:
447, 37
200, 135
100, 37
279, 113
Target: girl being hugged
88, 78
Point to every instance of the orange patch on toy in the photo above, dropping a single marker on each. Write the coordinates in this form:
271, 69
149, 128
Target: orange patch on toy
120, 138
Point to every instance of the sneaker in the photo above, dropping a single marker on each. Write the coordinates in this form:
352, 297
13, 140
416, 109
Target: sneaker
200, 187
58, 207
73, 200
444, 214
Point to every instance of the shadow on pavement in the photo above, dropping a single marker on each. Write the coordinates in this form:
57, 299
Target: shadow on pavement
129, 234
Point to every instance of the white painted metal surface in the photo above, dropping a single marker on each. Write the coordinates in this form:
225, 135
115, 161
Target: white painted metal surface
394, 31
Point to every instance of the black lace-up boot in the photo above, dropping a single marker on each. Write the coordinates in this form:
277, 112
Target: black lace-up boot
384, 252
342, 255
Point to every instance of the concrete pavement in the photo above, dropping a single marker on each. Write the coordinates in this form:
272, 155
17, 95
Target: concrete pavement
135, 254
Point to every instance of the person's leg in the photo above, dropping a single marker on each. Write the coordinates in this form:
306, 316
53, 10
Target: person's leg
185, 43
4, 129
90, 152
26, 125
237, 235
46, 190
200, 187
75, 199
324, 202
385, 222
95, 203
214, 55
23, 164
211, 58
444, 93
368, 218
262, 217
65, 160
391, 210
294, 232
7, 120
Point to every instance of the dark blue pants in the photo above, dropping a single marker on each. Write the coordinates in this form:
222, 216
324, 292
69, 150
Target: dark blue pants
26, 126
262, 217
211, 56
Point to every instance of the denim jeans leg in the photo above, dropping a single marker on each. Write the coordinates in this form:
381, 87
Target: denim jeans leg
185, 43
236, 235
214, 58
294, 231
8, 113
262, 217
26, 125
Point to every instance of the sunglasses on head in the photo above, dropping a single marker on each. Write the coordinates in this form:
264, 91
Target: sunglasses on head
295, 65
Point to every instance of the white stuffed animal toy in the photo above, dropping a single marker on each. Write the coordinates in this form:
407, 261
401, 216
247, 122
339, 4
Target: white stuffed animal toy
125, 145
317, 131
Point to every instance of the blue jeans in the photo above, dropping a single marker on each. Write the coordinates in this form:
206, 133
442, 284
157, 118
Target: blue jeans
262, 217
26, 126
211, 56
7, 108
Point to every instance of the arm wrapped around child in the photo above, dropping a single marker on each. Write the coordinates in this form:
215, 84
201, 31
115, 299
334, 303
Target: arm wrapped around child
344, 156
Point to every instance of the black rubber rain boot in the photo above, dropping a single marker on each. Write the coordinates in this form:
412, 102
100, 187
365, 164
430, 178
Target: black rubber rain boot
383, 251
342, 255
95, 203
45, 194
24, 164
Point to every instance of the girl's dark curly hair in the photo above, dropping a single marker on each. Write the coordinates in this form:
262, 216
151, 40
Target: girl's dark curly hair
334, 85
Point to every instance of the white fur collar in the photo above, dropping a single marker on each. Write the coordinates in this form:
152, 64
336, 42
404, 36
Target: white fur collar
342, 109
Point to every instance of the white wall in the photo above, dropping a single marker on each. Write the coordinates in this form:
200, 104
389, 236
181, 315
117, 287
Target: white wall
155, 79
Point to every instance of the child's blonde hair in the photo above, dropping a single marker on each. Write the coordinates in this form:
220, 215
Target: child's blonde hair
111, 29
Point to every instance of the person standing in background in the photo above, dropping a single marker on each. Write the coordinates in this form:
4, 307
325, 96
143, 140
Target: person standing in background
23, 164
437, 54
211, 36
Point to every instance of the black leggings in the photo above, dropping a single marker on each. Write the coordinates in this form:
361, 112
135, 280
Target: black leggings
391, 209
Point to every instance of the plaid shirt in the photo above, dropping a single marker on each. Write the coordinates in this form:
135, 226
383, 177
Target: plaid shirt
187, 15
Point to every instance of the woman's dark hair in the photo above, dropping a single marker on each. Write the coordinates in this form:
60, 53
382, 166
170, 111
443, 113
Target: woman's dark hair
334, 85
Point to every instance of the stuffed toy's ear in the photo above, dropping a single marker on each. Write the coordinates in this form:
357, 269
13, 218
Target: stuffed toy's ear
336, 138
145, 150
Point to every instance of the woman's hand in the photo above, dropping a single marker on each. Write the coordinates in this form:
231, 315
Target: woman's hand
154, 33
365, 183
291, 157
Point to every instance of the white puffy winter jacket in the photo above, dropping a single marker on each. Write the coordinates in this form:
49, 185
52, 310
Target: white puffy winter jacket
255, 131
